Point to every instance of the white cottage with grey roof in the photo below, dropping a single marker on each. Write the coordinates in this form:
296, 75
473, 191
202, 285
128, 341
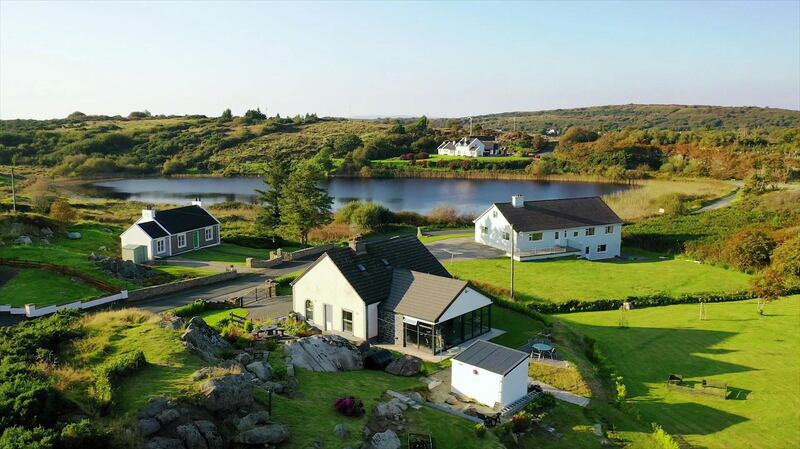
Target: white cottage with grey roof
491, 374
394, 291
471, 146
165, 233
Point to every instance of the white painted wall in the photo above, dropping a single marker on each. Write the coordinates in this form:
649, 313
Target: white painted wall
324, 284
372, 320
497, 225
515, 384
136, 236
476, 383
467, 301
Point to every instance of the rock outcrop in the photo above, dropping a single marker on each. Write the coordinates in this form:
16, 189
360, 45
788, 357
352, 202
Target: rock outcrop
262, 435
325, 353
262, 370
227, 393
204, 340
406, 365
385, 440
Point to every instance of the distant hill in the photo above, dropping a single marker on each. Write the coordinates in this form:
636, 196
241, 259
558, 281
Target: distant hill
674, 117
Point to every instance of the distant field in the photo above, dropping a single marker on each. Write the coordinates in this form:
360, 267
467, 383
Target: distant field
560, 280
756, 356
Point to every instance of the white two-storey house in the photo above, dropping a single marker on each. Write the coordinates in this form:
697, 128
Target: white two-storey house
530, 230
472, 146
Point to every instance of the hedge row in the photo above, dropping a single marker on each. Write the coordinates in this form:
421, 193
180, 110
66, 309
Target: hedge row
113, 370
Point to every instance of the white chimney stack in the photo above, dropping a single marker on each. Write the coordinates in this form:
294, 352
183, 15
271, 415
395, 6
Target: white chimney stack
518, 200
197, 202
148, 213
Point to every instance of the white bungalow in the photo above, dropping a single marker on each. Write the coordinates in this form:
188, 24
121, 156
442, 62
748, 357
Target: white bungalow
472, 146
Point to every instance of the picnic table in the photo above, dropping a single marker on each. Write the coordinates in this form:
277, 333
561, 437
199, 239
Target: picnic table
269, 331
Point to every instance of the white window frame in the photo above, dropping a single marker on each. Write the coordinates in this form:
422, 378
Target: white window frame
610, 229
604, 248
209, 233
309, 307
344, 329
506, 236
484, 230
534, 234
589, 232
182, 240
161, 246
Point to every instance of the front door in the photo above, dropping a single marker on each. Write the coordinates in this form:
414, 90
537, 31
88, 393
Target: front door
328, 317
197, 239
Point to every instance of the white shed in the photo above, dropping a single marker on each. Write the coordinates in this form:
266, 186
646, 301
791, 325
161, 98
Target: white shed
491, 374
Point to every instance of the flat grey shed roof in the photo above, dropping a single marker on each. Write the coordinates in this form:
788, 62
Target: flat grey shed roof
491, 357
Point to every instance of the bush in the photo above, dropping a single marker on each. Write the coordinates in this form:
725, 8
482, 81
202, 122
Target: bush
663, 439
62, 211
521, 421
349, 406
480, 430
749, 249
542, 401
190, 310
279, 372
22, 438
83, 435
113, 370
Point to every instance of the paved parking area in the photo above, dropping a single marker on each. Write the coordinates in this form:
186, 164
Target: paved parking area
464, 248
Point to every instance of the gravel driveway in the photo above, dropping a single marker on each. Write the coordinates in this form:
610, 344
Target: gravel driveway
462, 248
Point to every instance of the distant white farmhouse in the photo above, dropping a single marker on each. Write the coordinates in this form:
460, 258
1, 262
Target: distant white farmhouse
491, 374
472, 146
166, 233
394, 291
551, 228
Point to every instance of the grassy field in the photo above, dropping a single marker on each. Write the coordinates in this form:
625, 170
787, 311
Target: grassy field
226, 253
437, 238
643, 200
214, 317
756, 356
560, 280
44, 288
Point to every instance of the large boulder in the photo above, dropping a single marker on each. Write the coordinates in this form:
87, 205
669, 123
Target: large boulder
261, 369
191, 437
406, 365
74, 235
23, 240
156, 406
262, 435
209, 432
252, 420
392, 409
164, 443
325, 353
385, 440
204, 340
227, 393
149, 426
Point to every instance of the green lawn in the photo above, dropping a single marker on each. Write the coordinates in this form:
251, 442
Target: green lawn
184, 272
755, 355
560, 280
214, 317
437, 238
44, 288
227, 253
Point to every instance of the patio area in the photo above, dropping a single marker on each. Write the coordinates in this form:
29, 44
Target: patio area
427, 356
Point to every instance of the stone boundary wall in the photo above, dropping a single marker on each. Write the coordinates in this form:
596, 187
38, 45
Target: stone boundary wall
177, 286
313, 251
287, 257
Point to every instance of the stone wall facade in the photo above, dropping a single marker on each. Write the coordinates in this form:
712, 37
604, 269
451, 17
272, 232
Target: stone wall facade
177, 286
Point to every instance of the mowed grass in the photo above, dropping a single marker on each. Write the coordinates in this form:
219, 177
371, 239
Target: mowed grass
560, 280
226, 253
44, 288
756, 356
440, 237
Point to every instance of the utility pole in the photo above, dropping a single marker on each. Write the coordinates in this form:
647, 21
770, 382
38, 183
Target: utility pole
470, 126
512, 262
13, 190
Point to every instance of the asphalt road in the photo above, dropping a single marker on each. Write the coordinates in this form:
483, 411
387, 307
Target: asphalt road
462, 248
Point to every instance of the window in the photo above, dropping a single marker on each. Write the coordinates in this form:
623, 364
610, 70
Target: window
586, 250
494, 214
160, 246
610, 229
601, 248
575, 234
535, 236
347, 321
309, 310
556, 235
484, 230
589, 231
181, 240
209, 233
506, 236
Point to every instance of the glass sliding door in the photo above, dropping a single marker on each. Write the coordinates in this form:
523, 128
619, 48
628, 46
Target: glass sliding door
462, 328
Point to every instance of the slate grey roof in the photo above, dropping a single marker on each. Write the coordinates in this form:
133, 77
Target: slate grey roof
447, 145
182, 219
153, 229
420, 295
407, 252
491, 357
558, 214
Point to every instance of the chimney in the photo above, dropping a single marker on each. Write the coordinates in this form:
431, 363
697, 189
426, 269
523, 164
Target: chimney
197, 202
518, 200
148, 213
357, 245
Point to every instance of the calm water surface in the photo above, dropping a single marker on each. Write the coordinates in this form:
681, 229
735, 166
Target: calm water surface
419, 195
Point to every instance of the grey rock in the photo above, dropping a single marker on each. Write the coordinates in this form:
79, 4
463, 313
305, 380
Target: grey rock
191, 437
385, 440
164, 443
469, 410
46, 232
406, 365
416, 397
204, 340
325, 353
23, 240
252, 420
156, 406
392, 409
227, 393
209, 431
262, 370
341, 431
276, 387
103, 248
269, 434
172, 322
244, 358
451, 400
168, 415
148, 426
74, 235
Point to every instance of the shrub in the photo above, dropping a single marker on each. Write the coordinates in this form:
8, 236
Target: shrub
279, 372
249, 326
349, 406
521, 421
113, 370
83, 435
62, 211
190, 310
22, 438
749, 249
542, 401
663, 439
480, 430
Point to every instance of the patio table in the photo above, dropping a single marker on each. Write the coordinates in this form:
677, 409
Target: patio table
542, 347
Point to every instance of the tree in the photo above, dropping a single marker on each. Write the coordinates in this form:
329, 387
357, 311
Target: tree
77, 115
62, 211
303, 205
768, 286
749, 249
577, 135
346, 144
139, 115
420, 126
254, 115
397, 128
786, 262
227, 115
268, 218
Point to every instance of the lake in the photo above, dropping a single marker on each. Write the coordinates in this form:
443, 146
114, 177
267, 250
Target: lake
412, 194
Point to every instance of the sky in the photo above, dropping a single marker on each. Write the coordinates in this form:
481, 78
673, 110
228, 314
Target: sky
442, 59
